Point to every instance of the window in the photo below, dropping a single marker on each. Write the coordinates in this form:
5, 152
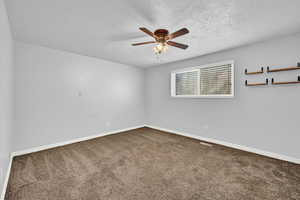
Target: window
213, 80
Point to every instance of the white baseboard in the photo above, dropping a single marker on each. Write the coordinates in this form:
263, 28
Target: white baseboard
235, 146
50, 146
6, 178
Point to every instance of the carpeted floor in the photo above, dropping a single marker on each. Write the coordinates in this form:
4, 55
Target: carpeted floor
146, 164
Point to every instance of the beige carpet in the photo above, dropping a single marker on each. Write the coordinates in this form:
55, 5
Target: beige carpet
146, 164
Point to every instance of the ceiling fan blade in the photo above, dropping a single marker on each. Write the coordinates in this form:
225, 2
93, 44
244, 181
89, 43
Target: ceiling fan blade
145, 30
178, 33
142, 43
178, 45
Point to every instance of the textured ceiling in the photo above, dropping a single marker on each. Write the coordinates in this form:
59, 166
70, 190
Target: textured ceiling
105, 29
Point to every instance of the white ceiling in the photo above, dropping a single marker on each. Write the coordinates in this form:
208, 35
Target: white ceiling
106, 29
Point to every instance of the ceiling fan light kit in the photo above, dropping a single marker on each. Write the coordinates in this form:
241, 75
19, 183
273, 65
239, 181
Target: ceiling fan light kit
162, 39
160, 48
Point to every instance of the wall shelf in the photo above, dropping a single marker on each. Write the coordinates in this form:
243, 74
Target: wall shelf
252, 73
257, 84
283, 69
285, 82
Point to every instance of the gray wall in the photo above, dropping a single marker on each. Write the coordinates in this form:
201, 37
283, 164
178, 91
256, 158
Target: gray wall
6, 91
266, 118
62, 96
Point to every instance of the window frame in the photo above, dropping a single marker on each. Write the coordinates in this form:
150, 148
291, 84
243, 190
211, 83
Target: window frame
190, 69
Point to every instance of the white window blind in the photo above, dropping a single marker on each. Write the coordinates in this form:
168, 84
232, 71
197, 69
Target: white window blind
187, 83
213, 80
216, 80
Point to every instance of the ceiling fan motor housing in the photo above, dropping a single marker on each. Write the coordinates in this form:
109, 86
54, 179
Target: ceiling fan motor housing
161, 35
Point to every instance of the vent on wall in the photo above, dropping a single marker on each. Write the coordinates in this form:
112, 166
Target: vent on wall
206, 144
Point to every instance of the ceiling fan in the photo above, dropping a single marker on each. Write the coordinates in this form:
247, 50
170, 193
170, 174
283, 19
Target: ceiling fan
162, 38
